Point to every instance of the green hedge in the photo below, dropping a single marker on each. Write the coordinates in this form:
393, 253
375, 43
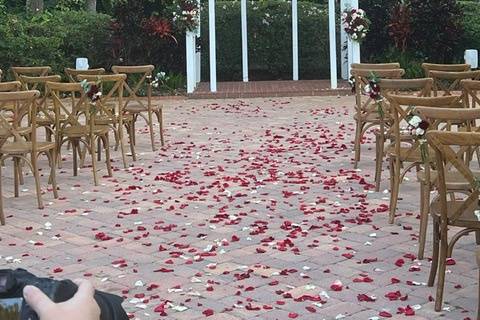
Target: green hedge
471, 24
54, 39
269, 40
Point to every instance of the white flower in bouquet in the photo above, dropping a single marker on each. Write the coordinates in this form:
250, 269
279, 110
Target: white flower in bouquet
419, 132
354, 36
344, 15
367, 88
360, 12
346, 25
360, 27
364, 35
354, 16
414, 121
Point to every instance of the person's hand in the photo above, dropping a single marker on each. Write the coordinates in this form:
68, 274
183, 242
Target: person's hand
82, 306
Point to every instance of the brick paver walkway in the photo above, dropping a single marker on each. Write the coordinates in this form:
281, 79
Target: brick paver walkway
252, 211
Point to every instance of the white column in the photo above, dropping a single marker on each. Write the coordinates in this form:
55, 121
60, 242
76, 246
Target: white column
295, 38
333, 43
344, 42
244, 41
191, 61
213, 46
356, 44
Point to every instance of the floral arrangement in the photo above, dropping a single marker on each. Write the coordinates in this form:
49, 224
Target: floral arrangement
186, 15
417, 127
356, 24
160, 79
372, 89
93, 93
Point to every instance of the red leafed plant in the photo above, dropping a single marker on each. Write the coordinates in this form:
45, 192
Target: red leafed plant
159, 27
400, 26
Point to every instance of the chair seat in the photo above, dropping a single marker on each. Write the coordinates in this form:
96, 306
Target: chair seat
25, 147
82, 131
106, 120
46, 121
468, 219
136, 107
455, 181
408, 154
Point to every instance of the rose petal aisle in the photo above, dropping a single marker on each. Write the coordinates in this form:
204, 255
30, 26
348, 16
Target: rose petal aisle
252, 210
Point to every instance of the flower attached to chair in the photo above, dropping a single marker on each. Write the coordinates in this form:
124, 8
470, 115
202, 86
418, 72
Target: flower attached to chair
417, 127
356, 24
93, 93
372, 89
160, 80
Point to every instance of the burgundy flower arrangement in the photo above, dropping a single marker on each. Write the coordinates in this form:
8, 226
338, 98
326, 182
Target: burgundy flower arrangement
356, 24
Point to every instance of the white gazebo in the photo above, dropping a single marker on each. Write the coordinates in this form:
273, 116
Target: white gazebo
349, 55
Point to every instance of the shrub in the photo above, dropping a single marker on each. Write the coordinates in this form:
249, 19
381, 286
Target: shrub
437, 29
54, 39
471, 25
269, 40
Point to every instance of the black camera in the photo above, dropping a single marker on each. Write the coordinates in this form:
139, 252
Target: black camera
12, 306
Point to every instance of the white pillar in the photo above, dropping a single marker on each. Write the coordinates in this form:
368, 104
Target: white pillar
333, 43
213, 46
244, 41
191, 61
295, 38
353, 46
344, 42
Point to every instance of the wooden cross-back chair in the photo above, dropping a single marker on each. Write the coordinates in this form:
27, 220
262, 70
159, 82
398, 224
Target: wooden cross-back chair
459, 210
448, 83
404, 150
449, 120
375, 66
30, 71
428, 67
76, 123
112, 112
72, 74
417, 87
16, 147
366, 112
46, 114
137, 106
471, 93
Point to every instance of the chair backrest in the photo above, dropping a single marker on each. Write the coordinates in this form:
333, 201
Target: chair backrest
402, 107
133, 85
38, 83
471, 93
30, 71
19, 103
376, 66
73, 74
111, 102
364, 104
428, 67
70, 111
421, 87
450, 152
10, 86
447, 82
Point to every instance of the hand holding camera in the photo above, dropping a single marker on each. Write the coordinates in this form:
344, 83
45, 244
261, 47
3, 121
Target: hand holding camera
82, 306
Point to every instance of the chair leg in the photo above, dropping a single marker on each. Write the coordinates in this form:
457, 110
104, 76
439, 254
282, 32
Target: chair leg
122, 146
380, 144
92, 147
53, 179
395, 180
99, 150
435, 252
150, 127
34, 167
442, 267
107, 155
358, 141
159, 114
2, 216
424, 211
477, 237
74, 145
16, 175
131, 134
